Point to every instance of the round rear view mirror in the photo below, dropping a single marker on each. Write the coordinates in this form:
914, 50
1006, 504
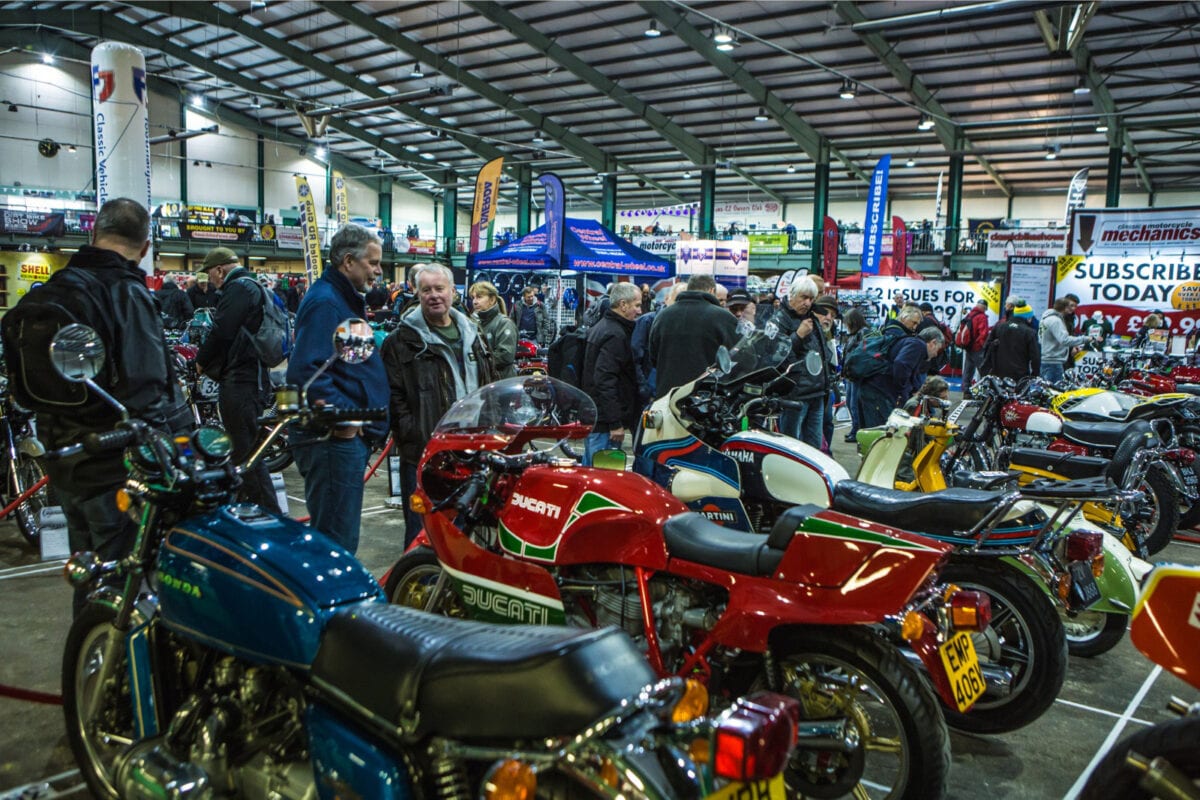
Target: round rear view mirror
353, 341
77, 353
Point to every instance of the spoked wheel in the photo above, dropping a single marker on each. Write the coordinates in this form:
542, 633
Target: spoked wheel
96, 741
412, 582
1025, 636
1177, 741
847, 674
1155, 523
1090, 633
278, 456
28, 514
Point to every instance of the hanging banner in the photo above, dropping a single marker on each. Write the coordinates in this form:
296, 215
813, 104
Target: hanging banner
731, 263
873, 226
659, 245
829, 251
483, 211
900, 244
121, 127
948, 298
937, 208
341, 206
555, 211
1076, 193
983, 226
25, 271
1025, 242
308, 224
695, 257
1136, 232
33, 223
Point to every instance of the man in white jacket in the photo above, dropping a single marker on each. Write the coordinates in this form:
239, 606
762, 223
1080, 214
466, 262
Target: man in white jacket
1055, 340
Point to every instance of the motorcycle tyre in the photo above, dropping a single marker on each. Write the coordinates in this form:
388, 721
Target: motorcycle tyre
1047, 667
278, 456
926, 739
1190, 518
420, 564
88, 632
27, 515
1099, 639
1176, 741
1158, 485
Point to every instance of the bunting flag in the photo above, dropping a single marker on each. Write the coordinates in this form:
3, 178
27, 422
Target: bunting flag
829, 251
1076, 194
554, 209
341, 208
308, 228
483, 212
873, 225
899, 245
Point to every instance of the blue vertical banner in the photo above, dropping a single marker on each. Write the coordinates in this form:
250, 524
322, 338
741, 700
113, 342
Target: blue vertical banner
556, 218
873, 227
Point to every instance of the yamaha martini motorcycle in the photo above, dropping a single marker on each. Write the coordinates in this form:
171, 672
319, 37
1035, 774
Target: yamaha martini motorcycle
514, 533
238, 654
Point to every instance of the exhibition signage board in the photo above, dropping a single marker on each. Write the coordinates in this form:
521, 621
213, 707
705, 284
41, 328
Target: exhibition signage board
554, 209
422, 247
749, 212
695, 257
1026, 242
829, 250
33, 223
487, 195
341, 205
948, 298
27, 270
901, 243
659, 245
874, 224
731, 263
308, 224
1129, 262
767, 243
1032, 279
1076, 193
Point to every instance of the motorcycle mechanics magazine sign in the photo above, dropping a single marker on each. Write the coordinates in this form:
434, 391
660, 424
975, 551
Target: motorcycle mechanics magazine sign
1127, 263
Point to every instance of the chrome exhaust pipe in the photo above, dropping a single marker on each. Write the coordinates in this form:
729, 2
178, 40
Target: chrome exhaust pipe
836, 735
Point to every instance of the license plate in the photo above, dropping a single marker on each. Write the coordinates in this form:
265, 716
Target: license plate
1084, 590
772, 789
962, 667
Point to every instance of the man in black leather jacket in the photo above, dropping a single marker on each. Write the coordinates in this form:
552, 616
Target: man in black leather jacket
808, 364
686, 336
228, 357
86, 485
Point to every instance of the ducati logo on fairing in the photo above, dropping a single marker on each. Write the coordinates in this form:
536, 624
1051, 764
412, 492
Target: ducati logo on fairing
502, 605
536, 506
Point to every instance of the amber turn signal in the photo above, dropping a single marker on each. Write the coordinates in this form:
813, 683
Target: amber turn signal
693, 704
510, 780
418, 504
124, 501
913, 626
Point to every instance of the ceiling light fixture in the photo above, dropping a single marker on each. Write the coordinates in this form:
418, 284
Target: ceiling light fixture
1082, 87
197, 101
1101, 126
926, 123
722, 36
255, 102
725, 47
12, 107
652, 32
687, 175
538, 138
416, 70
761, 116
428, 156
596, 179
70, 148
791, 169
1051, 152
848, 90
319, 153
912, 162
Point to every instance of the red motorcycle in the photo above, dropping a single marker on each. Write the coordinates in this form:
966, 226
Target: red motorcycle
517, 534
531, 359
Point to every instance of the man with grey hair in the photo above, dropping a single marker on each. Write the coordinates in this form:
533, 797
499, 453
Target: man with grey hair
685, 337
609, 376
435, 356
807, 364
333, 466
910, 357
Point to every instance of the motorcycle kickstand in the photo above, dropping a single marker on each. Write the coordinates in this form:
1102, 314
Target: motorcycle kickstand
435, 593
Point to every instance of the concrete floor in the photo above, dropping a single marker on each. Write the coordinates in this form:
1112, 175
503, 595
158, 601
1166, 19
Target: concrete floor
1102, 697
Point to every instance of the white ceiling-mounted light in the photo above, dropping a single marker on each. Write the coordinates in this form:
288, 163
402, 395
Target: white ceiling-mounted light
926, 123
197, 101
912, 162
1102, 125
1081, 87
652, 31
791, 169
1051, 152
761, 116
596, 179
319, 153
416, 72
686, 175
722, 36
538, 138
725, 47
848, 90
255, 102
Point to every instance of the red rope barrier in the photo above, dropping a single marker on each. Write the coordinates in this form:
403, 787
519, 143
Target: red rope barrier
30, 696
25, 495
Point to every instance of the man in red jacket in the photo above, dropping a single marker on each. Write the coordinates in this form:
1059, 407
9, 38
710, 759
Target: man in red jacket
971, 338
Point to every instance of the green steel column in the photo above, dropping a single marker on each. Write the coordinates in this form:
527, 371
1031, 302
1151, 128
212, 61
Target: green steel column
328, 191
608, 202
708, 199
524, 199
1112, 190
954, 206
262, 182
820, 210
385, 202
449, 212
183, 159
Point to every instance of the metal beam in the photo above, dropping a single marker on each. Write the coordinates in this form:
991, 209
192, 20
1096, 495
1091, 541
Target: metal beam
809, 139
595, 158
947, 132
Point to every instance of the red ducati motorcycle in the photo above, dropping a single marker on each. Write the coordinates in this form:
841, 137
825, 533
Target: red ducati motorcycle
517, 534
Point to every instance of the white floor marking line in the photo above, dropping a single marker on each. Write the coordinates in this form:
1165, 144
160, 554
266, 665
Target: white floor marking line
1115, 733
32, 569
1102, 711
295, 499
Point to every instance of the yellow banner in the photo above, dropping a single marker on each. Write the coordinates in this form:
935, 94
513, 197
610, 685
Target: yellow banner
24, 271
989, 292
487, 192
1066, 264
308, 224
341, 207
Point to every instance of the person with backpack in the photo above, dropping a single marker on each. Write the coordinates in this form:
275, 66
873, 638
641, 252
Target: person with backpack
102, 287
857, 330
230, 358
970, 339
899, 360
175, 305
333, 465
928, 320
1012, 347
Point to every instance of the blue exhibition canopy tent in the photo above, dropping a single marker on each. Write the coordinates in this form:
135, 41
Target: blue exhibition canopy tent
588, 247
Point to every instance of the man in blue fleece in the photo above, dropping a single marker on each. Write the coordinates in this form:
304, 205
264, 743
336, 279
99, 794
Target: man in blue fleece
333, 466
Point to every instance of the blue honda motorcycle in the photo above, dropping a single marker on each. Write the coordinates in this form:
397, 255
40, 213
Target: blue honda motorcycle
237, 653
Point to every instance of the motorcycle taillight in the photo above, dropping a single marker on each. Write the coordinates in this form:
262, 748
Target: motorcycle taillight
970, 610
754, 738
1084, 545
1180, 455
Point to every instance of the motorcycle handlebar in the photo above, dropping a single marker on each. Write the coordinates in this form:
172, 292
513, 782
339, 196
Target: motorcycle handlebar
100, 443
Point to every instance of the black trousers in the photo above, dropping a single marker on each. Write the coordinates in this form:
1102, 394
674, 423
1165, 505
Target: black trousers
241, 404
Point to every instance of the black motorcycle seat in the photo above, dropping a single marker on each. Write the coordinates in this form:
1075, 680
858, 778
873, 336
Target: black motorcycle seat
1095, 434
1068, 465
432, 675
942, 513
693, 537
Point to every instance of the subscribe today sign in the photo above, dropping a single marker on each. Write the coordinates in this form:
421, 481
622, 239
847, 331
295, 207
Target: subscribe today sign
948, 298
1125, 290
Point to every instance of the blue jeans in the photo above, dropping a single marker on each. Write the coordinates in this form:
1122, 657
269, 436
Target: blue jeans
1052, 372
852, 404
596, 442
333, 483
805, 423
413, 522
